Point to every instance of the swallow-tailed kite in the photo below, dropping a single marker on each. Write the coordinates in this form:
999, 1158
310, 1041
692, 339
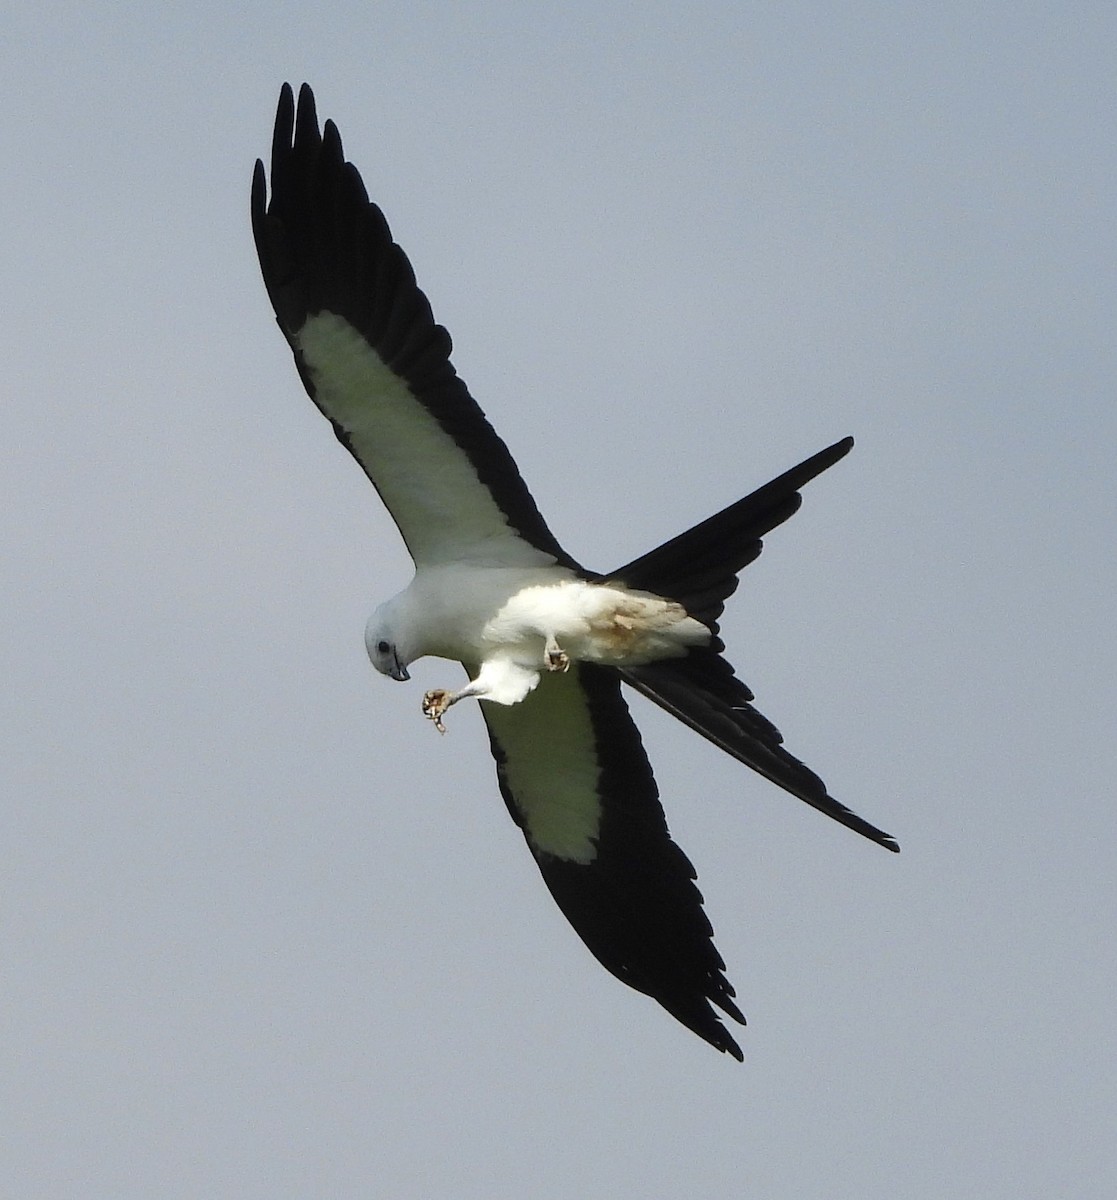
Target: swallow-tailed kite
545, 642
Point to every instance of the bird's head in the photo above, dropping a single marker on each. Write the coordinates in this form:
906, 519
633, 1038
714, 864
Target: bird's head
384, 644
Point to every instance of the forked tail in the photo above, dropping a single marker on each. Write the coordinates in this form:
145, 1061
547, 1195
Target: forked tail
699, 569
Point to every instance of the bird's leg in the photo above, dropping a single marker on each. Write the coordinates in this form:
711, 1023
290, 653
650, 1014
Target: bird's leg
555, 657
498, 680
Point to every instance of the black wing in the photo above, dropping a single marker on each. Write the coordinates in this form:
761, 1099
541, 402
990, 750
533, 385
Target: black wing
575, 777
375, 362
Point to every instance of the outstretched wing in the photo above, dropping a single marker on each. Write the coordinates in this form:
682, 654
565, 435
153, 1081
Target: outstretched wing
376, 363
575, 777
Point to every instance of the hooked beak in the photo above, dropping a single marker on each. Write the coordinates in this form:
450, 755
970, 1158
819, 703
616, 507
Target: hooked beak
399, 671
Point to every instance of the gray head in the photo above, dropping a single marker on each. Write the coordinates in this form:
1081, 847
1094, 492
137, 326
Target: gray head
383, 644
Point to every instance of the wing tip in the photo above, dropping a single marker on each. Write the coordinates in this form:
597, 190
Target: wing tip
710, 1026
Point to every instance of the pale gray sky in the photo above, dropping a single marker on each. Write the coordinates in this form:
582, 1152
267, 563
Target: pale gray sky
264, 934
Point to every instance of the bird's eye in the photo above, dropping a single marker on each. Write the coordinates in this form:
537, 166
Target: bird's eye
382, 647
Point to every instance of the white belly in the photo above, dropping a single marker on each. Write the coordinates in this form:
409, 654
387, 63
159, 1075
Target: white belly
591, 622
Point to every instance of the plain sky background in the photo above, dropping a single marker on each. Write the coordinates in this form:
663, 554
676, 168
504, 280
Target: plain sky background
265, 935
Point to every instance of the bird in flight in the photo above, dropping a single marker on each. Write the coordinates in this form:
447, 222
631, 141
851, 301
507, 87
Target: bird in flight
546, 644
